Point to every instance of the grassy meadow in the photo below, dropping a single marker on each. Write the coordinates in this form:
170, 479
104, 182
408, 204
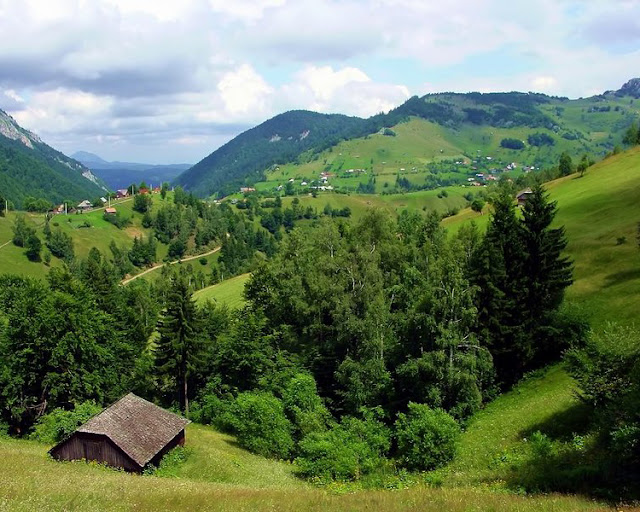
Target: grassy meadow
600, 213
219, 476
229, 292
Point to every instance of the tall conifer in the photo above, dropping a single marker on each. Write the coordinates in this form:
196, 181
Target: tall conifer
180, 346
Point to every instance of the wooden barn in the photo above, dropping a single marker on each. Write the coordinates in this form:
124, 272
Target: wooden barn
130, 434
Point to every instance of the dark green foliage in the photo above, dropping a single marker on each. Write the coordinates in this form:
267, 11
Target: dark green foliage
177, 248
33, 246
179, 348
61, 245
565, 164
60, 423
541, 139
118, 219
58, 347
350, 449
512, 143
632, 135
21, 231
477, 205
143, 253
3, 205
304, 407
142, 203
522, 275
426, 437
33, 204
608, 371
261, 426
499, 273
547, 274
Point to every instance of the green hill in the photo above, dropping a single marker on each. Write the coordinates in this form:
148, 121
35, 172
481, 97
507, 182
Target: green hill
600, 212
410, 141
29, 167
218, 476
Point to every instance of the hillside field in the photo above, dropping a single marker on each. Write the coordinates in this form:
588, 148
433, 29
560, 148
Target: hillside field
217, 475
600, 213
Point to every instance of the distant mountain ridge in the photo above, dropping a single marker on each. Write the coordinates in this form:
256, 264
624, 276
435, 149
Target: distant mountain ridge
29, 167
298, 135
122, 174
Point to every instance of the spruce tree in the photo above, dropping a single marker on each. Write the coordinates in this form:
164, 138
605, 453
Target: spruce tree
547, 272
180, 346
498, 271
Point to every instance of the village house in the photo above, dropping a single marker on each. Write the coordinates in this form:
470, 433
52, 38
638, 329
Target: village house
131, 434
84, 205
110, 211
523, 196
120, 193
246, 190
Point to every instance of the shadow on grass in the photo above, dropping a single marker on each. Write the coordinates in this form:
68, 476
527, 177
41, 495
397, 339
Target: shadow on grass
622, 277
564, 454
564, 425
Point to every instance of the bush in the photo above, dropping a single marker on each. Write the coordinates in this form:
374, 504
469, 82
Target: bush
512, 143
347, 451
260, 424
60, 423
304, 407
540, 139
426, 437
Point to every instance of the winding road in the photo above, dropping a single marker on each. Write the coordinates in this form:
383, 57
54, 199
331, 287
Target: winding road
158, 265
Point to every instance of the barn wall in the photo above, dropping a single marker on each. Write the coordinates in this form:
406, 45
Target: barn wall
95, 448
176, 441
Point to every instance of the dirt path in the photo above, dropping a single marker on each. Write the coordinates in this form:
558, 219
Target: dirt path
6, 243
158, 265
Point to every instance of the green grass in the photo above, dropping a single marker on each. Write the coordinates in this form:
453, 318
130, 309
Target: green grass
596, 210
219, 476
229, 292
495, 435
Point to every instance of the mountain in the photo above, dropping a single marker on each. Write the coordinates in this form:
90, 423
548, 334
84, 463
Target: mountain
467, 122
278, 140
122, 174
29, 167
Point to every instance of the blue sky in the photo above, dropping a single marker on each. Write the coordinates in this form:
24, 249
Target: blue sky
163, 81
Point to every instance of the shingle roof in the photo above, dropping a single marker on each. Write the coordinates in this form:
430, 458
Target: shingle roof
138, 427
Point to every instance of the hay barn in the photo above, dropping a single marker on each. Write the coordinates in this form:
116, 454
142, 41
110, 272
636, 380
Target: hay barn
130, 434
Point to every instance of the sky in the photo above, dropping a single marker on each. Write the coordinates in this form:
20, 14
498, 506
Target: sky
169, 81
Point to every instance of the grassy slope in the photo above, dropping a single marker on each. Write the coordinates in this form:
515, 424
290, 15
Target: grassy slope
496, 433
228, 292
219, 476
596, 210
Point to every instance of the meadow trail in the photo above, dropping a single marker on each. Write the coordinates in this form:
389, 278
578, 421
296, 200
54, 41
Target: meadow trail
160, 264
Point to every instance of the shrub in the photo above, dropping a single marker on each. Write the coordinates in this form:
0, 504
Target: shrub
349, 450
60, 423
260, 424
304, 407
512, 143
426, 437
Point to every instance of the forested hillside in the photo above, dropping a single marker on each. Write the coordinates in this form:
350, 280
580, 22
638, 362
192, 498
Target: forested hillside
532, 129
30, 168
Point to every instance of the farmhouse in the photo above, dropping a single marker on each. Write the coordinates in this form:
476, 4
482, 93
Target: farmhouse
84, 205
120, 193
523, 196
110, 211
130, 434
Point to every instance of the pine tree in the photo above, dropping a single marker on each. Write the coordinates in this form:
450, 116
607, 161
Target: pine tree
547, 272
180, 346
498, 271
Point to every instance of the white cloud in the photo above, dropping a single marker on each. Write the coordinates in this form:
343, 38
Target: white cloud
140, 75
243, 92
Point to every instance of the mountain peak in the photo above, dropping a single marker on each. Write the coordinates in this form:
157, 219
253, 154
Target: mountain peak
12, 130
85, 156
631, 88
